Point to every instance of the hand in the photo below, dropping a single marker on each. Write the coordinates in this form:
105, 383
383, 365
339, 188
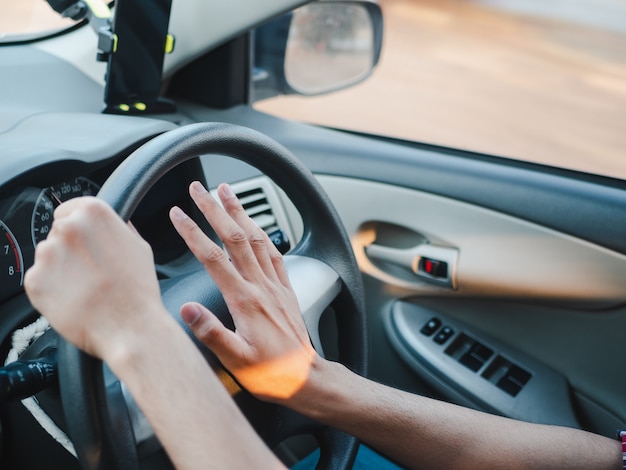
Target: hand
269, 352
93, 277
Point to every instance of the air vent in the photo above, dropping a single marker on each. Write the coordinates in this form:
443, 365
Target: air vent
262, 203
258, 208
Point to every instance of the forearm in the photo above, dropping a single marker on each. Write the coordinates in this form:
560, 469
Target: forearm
190, 411
425, 433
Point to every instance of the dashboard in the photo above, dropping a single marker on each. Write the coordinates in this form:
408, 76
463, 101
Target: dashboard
29, 195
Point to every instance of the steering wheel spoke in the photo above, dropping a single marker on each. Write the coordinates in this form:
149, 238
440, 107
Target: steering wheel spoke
316, 286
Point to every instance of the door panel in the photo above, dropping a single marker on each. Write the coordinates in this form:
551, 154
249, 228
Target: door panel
548, 299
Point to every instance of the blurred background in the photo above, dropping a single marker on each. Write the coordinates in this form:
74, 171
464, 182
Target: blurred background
535, 80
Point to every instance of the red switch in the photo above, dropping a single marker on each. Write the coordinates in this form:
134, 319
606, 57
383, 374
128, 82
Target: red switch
434, 268
428, 266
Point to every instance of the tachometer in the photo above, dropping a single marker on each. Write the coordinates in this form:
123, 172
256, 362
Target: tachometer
11, 263
51, 197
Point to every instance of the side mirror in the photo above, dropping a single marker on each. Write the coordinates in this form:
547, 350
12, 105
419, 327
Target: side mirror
318, 48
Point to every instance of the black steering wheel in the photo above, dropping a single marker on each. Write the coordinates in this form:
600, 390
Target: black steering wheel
101, 422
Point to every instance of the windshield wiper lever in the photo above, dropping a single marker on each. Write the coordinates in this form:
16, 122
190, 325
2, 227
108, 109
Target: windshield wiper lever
22, 379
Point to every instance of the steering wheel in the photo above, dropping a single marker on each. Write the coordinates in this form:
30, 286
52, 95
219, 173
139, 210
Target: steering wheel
103, 421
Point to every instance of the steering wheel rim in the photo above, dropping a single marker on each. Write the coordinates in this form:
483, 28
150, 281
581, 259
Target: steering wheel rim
83, 392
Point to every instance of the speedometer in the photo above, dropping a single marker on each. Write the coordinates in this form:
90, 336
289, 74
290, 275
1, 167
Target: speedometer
11, 263
53, 196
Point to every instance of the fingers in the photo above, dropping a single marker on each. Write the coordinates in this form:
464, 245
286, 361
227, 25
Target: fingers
277, 262
264, 250
234, 236
85, 205
80, 216
208, 253
35, 281
268, 256
251, 251
211, 331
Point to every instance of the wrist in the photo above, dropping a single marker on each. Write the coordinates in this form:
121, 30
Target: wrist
322, 391
133, 342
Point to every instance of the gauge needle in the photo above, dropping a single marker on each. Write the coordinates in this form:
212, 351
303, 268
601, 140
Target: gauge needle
54, 195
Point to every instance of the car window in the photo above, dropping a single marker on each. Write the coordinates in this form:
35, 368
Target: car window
524, 79
27, 19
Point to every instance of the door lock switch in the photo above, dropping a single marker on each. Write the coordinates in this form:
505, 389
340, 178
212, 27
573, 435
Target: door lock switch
434, 268
444, 335
431, 326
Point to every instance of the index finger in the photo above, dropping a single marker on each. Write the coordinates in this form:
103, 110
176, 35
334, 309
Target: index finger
212, 257
233, 235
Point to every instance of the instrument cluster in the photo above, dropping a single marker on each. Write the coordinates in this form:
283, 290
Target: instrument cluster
25, 220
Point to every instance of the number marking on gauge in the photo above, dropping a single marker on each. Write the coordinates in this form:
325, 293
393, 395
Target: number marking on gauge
11, 272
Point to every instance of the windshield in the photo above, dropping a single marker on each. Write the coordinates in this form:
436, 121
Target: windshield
531, 80
28, 19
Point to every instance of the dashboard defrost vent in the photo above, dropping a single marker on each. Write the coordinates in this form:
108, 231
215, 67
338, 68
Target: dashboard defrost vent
258, 208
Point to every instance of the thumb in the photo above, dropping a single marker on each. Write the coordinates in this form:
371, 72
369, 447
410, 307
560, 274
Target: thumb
211, 331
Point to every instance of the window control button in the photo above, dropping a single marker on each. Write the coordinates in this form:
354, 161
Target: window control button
507, 376
514, 380
430, 327
476, 357
509, 386
444, 335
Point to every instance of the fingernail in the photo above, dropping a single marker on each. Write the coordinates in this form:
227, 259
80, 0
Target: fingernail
178, 213
190, 314
198, 187
228, 191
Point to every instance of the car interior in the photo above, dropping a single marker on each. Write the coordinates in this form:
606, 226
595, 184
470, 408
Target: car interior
492, 283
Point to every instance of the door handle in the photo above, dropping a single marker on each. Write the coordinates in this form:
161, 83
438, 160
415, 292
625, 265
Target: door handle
436, 264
